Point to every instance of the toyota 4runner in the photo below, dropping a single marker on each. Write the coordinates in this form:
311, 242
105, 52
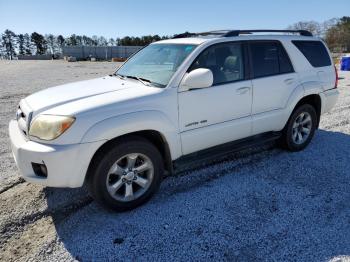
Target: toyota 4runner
174, 103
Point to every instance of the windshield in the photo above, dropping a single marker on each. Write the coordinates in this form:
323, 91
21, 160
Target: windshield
156, 63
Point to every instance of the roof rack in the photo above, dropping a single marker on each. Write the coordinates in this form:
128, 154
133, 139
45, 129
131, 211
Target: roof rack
230, 33
239, 32
188, 34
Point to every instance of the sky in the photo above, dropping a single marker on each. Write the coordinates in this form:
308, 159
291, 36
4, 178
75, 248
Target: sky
136, 17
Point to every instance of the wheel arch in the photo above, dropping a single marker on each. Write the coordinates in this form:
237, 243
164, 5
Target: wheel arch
313, 100
153, 136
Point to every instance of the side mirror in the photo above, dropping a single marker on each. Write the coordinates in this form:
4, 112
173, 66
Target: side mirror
198, 78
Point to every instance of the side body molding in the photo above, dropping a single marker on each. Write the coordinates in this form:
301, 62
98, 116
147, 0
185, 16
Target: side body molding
113, 127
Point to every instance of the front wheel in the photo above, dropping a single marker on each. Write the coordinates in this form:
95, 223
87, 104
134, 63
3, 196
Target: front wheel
127, 175
300, 128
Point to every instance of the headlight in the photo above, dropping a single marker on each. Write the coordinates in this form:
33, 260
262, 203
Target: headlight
49, 127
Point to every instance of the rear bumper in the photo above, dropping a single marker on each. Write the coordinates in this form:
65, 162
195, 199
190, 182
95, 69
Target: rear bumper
66, 164
328, 100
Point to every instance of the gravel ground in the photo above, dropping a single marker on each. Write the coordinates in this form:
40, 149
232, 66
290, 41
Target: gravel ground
260, 204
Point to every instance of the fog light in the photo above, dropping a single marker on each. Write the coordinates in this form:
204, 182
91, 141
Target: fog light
40, 169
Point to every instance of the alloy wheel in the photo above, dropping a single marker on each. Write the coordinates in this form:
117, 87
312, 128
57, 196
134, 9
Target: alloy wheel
301, 128
130, 177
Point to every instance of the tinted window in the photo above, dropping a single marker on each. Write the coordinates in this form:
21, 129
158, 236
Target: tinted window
264, 59
224, 60
269, 58
284, 61
315, 52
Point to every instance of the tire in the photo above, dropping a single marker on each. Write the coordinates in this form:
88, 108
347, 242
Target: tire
297, 123
126, 175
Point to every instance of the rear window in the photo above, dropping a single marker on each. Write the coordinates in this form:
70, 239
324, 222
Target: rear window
315, 52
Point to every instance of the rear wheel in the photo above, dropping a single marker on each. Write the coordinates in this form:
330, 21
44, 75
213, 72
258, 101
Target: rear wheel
127, 175
300, 128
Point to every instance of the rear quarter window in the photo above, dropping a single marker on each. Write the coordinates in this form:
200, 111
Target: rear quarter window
315, 52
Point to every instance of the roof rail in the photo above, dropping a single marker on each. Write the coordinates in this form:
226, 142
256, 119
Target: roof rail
230, 33
239, 32
184, 35
188, 34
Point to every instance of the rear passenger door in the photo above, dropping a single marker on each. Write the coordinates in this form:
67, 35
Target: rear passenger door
273, 80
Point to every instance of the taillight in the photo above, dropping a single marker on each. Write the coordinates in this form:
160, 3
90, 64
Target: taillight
336, 77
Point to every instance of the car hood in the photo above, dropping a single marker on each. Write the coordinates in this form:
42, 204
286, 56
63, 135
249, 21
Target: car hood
59, 95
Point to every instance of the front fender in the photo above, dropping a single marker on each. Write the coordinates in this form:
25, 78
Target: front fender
113, 127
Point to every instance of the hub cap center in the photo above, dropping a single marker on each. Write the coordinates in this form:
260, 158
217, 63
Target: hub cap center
129, 175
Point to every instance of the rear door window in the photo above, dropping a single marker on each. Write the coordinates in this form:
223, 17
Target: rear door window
284, 61
315, 52
269, 58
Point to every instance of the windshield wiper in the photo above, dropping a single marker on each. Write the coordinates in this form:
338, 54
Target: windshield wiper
118, 75
144, 81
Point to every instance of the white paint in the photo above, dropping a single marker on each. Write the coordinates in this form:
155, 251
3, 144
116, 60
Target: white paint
189, 120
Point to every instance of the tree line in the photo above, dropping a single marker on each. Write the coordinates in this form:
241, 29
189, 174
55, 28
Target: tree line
336, 33
12, 44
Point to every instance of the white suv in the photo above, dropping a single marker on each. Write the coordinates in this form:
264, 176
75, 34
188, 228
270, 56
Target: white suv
174, 103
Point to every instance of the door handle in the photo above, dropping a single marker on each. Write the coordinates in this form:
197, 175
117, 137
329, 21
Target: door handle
242, 90
289, 81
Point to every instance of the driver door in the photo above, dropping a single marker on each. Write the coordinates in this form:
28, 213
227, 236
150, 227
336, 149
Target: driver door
220, 113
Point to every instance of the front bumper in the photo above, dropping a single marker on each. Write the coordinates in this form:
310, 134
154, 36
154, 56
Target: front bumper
66, 164
328, 99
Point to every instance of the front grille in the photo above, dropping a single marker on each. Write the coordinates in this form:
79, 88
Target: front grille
23, 116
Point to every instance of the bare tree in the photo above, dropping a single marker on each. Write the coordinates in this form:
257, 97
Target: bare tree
314, 27
102, 41
111, 42
338, 34
328, 24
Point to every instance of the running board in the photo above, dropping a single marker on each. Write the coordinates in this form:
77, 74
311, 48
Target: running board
198, 158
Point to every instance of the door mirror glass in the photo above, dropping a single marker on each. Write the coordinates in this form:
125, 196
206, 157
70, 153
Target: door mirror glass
198, 78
